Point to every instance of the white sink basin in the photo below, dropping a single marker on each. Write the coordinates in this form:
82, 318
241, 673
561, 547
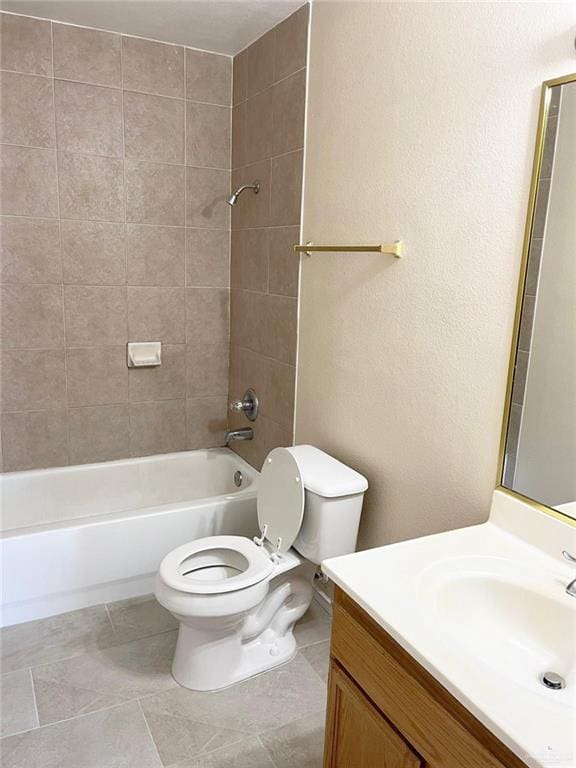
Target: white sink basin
485, 610
505, 616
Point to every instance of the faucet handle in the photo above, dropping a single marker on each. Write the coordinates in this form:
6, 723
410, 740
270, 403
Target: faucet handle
567, 556
248, 405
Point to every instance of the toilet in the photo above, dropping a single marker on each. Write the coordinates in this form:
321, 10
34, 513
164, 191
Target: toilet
237, 599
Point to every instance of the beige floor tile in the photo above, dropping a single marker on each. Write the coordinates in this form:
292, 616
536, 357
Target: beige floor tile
115, 737
140, 617
313, 627
17, 706
297, 745
89, 682
249, 753
318, 656
262, 703
179, 739
57, 637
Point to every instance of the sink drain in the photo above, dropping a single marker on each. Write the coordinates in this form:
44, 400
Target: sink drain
554, 681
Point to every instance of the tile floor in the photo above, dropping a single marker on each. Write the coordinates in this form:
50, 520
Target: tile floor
92, 689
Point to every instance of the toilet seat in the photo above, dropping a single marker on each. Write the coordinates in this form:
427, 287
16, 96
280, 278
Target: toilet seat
215, 565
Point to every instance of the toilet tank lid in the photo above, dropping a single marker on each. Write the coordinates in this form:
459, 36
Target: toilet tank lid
325, 475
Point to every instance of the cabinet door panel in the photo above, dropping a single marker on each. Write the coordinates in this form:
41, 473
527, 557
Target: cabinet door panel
358, 735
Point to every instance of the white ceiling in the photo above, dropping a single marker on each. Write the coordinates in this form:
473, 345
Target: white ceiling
224, 26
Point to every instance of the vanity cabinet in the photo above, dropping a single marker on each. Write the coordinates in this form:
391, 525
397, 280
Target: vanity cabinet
386, 711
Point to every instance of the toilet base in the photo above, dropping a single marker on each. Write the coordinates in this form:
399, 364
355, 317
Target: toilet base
211, 655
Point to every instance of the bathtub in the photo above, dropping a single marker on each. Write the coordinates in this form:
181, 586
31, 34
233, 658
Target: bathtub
93, 533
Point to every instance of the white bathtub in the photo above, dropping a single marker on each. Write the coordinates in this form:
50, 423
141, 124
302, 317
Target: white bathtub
83, 535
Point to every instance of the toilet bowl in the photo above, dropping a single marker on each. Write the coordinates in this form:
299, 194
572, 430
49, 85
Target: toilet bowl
237, 599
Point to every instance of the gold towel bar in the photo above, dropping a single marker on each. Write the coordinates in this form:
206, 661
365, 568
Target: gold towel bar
395, 249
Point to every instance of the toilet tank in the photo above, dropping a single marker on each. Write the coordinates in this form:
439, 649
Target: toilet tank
333, 503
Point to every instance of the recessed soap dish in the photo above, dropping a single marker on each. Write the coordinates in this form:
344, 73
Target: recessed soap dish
143, 354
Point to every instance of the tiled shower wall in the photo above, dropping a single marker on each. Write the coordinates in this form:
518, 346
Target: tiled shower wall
267, 145
530, 290
115, 168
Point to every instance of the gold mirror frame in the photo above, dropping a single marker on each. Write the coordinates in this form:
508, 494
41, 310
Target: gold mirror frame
545, 97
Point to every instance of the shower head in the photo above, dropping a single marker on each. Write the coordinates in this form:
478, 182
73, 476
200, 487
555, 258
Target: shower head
233, 199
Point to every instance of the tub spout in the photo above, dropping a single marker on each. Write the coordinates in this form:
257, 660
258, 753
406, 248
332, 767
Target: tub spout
239, 434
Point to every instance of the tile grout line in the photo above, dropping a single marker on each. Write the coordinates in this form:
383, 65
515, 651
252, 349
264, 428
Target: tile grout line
106, 608
160, 761
35, 700
118, 34
62, 285
118, 158
115, 88
92, 650
125, 229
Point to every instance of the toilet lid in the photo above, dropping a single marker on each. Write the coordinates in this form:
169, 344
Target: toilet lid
280, 498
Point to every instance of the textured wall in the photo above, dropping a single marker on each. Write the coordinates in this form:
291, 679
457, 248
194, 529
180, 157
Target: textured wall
115, 167
421, 125
267, 144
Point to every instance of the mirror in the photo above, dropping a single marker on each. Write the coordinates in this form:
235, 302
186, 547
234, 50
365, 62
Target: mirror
539, 435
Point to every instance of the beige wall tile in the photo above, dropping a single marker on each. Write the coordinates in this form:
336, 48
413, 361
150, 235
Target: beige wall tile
91, 187
25, 44
29, 250
28, 182
88, 118
208, 77
259, 127
154, 193
247, 369
253, 210
286, 189
207, 369
95, 315
164, 382
93, 253
34, 439
207, 315
32, 316
239, 135
206, 422
265, 324
267, 435
99, 433
289, 98
526, 323
207, 135
97, 375
240, 77
206, 193
208, 257
27, 113
249, 259
33, 379
155, 255
87, 55
157, 427
156, 314
154, 128
153, 67
279, 388
291, 44
280, 323
273, 382
260, 64
248, 319
284, 263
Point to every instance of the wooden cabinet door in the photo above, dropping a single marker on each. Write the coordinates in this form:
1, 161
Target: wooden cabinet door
357, 734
